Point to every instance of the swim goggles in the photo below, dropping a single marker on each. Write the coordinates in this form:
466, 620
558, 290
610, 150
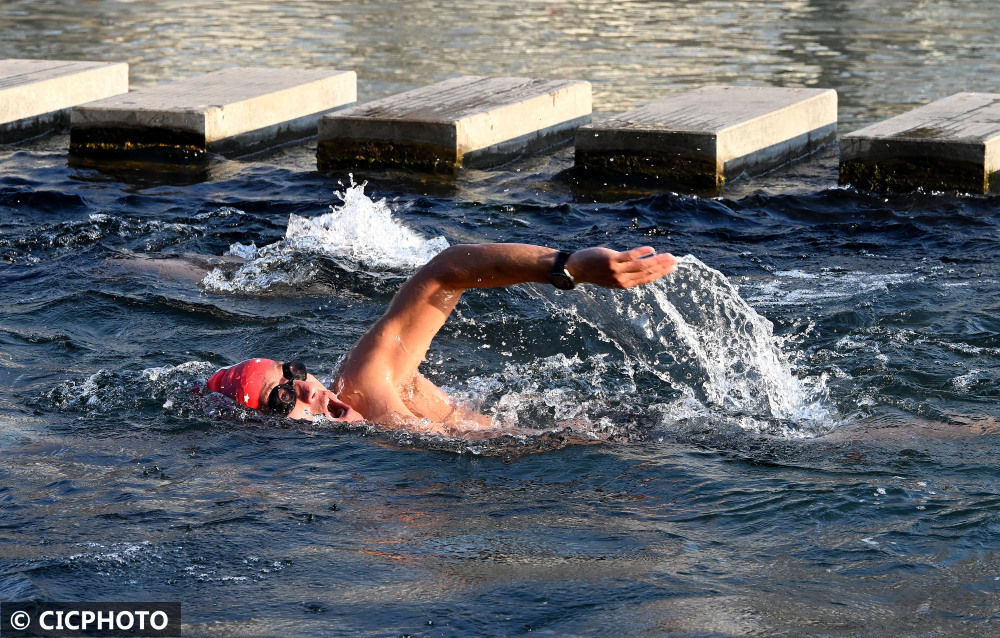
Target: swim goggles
282, 398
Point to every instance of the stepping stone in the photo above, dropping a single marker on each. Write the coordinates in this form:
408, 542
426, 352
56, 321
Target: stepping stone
36, 95
708, 136
951, 144
465, 121
233, 111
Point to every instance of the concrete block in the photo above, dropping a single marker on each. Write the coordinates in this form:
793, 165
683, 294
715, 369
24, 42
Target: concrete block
36, 95
705, 137
465, 121
951, 144
237, 110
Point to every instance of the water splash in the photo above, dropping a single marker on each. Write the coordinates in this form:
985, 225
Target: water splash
170, 388
359, 234
587, 396
685, 349
694, 331
364, 231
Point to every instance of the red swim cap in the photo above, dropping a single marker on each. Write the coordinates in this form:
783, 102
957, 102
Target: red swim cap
242, 382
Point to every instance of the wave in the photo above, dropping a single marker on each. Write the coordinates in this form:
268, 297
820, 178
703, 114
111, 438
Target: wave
361, 234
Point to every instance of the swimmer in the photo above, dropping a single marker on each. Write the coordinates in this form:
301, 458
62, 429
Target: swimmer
379, 381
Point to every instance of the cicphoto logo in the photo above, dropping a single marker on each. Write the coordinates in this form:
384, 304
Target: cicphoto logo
90, 619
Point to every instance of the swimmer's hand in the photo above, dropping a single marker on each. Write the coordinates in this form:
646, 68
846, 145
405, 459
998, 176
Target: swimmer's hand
614, 269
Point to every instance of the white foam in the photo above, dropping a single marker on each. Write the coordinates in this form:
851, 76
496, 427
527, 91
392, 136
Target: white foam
730, 354
243, 251
363, 230
108, 390
694, 332
360, 233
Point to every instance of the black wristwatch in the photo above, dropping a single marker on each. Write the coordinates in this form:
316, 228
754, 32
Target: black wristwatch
559, 276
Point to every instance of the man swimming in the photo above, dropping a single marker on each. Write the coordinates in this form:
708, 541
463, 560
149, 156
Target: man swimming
379, 381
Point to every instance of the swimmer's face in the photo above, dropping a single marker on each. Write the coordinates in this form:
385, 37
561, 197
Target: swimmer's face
311, 397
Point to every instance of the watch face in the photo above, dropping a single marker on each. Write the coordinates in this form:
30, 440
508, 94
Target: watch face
562, 281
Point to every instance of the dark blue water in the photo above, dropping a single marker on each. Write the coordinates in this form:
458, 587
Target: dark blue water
794, 435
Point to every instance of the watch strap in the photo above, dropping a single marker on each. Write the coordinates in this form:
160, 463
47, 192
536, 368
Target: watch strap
559, 276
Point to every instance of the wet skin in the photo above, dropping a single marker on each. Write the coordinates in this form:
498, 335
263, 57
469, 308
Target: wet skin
379, 381
379, 377
312, 398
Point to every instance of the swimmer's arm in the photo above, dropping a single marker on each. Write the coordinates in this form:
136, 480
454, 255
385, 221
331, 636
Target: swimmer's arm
397, 343
497, 265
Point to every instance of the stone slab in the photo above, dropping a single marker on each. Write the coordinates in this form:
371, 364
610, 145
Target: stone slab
464, 121
705, 137
236, 110
950, 144
36, 95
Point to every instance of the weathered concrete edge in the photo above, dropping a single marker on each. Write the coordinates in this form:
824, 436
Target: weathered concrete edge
556, 109
346, 141
406, 152
353, 153
94, 116
208, 124
900, 164
795, 121
185, 135
527, 144
361, 128
269, 137
603, 136
35, 126
783, 152
339, 90
681, 158
477, 140
857, 145
159, 144
69, 89
675, 157
98, 82
919, 123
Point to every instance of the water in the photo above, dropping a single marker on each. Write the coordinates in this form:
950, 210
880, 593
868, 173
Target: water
793, 435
